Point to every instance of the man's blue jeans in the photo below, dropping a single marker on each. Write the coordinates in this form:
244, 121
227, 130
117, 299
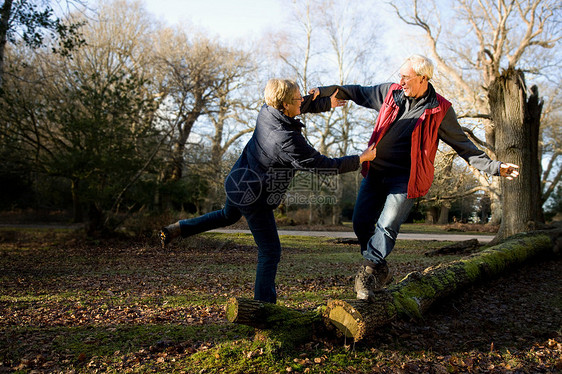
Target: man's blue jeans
261, 222
381, 207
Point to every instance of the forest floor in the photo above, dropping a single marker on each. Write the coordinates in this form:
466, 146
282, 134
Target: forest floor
74, 305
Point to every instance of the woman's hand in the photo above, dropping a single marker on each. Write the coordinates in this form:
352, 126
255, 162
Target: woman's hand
369, 154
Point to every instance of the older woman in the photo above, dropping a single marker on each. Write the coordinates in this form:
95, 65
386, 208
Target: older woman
259, 178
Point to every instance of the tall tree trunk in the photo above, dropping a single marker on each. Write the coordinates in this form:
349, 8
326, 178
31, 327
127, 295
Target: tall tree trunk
5, 14
515, 121
336, 208
188, 120
444, 214
215, 174
533, 122
77, 212
431, 215
495, 203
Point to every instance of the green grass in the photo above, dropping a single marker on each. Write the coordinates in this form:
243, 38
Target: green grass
72, 306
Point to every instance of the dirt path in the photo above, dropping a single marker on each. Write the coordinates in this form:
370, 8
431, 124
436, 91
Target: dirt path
347, 234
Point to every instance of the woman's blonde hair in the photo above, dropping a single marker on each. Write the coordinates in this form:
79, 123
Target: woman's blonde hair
279, 91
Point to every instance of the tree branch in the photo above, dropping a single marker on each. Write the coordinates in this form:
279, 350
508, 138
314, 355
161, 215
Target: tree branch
456, 196
550, 165
416, 20
477, 115
552, 186
475, 139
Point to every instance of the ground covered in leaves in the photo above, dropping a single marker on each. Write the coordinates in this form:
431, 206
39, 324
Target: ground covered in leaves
72, 305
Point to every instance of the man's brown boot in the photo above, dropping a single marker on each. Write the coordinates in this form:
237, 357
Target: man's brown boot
168, 233
371, 277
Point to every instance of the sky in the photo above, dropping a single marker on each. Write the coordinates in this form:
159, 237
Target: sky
228, 19
232, 20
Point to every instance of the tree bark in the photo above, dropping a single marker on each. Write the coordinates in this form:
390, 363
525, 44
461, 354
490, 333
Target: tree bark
77, 212
285, 325
496, 211
431, 215
5, 14
443, 214
417, 292
516, 122
178, 154
533, 122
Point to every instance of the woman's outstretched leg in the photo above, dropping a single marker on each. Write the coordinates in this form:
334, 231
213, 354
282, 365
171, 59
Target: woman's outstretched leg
188, 227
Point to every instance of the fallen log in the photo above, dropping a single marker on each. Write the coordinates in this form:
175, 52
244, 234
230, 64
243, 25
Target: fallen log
280, 323
412, 296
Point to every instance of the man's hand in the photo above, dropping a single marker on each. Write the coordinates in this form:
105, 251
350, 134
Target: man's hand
509, 170
335, 101
369, 154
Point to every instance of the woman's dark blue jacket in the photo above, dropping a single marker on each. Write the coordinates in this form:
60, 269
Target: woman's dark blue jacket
262, 174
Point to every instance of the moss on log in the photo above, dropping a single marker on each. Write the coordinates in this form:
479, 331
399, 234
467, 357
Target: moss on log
412, 296
284, 325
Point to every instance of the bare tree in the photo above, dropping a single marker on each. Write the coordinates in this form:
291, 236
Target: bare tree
228, 113
506, 36
451, 183
191, 67
334, 42
342, 24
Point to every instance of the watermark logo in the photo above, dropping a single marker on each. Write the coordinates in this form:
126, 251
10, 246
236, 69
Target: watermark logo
243, 186
298, 198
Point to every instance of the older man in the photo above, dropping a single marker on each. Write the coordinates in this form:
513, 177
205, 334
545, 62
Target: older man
412, 118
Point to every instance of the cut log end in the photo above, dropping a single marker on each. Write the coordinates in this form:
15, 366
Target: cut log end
358, 318
232, 310
347, 320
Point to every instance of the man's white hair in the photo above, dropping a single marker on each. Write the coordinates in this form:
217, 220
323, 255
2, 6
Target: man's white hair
421, 65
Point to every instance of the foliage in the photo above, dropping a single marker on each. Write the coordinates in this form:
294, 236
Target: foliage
31, 20
145, 116
187, 193
126, 306
92, 132
14, 182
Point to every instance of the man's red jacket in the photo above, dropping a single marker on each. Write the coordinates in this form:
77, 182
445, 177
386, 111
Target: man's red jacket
424, 140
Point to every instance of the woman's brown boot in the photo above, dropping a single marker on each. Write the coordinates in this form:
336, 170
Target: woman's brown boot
168, 233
